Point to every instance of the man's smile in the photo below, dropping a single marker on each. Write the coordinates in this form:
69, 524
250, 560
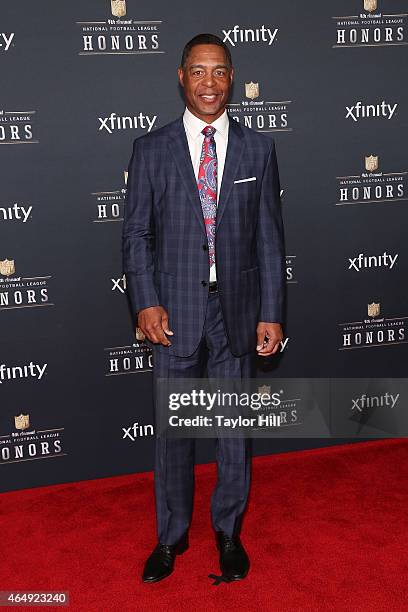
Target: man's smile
210, 98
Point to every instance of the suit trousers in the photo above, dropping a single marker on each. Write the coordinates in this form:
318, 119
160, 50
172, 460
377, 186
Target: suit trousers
174, 457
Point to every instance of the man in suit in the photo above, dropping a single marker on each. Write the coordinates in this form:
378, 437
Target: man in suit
203, 255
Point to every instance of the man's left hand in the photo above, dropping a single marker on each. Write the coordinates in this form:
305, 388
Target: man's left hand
269, 337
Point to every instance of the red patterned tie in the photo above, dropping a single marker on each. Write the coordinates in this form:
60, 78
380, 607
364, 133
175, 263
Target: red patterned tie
207, 187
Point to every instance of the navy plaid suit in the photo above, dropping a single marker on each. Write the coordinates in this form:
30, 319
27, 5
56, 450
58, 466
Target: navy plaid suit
164, 234
165, 264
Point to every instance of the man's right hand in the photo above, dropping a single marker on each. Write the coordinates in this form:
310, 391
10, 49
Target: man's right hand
154, 323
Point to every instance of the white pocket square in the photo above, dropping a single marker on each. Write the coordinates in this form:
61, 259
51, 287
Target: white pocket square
251, 178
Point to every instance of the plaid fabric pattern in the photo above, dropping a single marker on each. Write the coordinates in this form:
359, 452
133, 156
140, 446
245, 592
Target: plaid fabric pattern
165, 256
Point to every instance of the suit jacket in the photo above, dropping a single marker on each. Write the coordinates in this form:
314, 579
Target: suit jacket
165, 256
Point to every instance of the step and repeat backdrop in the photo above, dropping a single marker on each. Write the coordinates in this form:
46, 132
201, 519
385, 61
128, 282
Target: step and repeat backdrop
80, 80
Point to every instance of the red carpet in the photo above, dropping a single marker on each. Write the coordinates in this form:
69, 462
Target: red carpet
326, 530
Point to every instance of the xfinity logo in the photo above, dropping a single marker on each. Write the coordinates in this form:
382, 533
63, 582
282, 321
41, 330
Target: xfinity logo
119, 284
238, 35
283, 344
5, 41
32, 370
372, 261
364, 111
375, 401
114, 122
15, 212
137, 431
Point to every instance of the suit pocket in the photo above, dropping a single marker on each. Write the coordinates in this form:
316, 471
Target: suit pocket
165, 272
248, 270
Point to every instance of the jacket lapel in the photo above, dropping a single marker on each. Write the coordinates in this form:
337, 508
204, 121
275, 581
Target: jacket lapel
235, 149
179, 151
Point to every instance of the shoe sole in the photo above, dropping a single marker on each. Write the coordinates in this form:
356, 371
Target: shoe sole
236, 578
147, 581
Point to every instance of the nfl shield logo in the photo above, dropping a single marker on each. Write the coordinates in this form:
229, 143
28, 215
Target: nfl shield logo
118, 8
373, 309
7, 267
252, 90
22, 421
370, 5
371, 163
139, 335
264, 389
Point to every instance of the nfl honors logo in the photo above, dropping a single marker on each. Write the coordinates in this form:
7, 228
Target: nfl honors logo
22, 421
371, 163
373, 309
252, 90
29, 443
118, 8
7, 267
369, 27
258, 113
370, 5
119, 34
374, 331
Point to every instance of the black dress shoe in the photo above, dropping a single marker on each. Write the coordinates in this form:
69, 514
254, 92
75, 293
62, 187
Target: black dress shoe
160, 564
234, 561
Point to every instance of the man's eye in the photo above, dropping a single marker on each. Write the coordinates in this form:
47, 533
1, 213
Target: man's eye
197, 72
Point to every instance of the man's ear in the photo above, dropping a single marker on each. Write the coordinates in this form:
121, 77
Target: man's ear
232, 74
180, 76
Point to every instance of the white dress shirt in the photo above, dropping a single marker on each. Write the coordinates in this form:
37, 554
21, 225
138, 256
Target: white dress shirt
193, 126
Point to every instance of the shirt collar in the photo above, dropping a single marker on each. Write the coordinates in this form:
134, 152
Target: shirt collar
194, 125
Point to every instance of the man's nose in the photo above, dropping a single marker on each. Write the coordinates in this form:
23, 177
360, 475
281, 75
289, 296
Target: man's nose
209, 79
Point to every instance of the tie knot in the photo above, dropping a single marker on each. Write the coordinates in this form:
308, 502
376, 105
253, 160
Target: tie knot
208, 131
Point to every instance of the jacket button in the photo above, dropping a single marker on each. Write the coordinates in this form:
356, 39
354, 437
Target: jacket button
204, 283
205, 247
